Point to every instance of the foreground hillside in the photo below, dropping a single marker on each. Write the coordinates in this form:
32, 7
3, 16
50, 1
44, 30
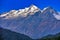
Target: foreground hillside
51, 37
10, 35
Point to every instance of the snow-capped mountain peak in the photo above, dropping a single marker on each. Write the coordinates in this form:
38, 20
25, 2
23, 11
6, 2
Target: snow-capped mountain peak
49, 9
33, 9
35, 23
46, 8
27, 11
21, 12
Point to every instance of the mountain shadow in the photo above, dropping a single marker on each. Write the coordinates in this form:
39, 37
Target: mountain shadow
10, 35
1, 38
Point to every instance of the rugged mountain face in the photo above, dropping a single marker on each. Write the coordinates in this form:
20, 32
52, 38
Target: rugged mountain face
31, 21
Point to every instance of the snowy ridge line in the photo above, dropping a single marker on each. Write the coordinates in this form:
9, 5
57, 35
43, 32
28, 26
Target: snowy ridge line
21, 12
29, 11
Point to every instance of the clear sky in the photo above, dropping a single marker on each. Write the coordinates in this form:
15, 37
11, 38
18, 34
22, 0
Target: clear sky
7, 5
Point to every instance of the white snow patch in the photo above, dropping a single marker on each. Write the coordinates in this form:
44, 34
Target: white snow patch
57, 16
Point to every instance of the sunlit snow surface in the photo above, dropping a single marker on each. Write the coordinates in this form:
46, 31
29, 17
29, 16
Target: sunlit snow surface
32, 21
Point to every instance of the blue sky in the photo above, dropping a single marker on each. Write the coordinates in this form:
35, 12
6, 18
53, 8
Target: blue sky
7, 5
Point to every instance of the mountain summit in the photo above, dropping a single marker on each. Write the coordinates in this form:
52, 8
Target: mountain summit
27, 11
32, 21
21, 12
